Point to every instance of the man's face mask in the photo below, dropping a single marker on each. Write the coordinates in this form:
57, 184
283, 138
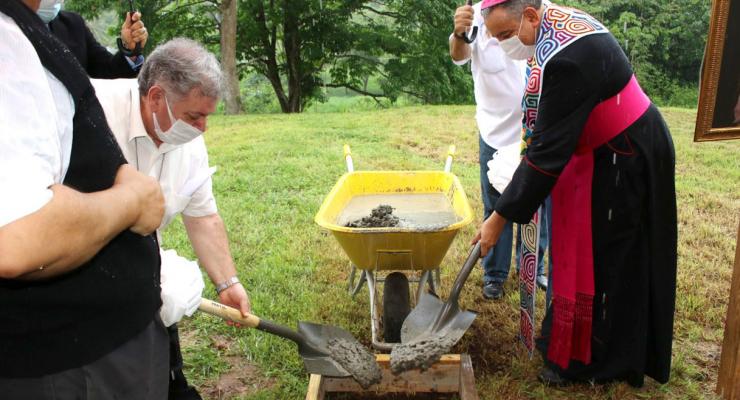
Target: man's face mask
179, 133
49, 9
515, 49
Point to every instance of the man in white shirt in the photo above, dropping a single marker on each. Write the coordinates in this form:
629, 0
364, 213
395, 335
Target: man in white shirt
159, 122
77, 285
499, 88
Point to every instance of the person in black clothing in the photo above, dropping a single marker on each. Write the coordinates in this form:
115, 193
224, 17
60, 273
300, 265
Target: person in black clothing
70, 29
79, 272
602, 150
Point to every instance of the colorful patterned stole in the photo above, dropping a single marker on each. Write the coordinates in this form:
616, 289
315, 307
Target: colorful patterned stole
570, 335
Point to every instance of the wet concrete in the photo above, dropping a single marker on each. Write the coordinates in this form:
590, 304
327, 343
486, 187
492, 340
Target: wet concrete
421, 353
354, 358
420, 212
380, 217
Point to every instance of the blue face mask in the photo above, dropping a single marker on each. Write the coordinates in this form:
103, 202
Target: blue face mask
49, 10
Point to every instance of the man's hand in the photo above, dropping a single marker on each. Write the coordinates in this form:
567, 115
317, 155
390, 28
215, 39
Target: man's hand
133, 31
489, 233
235, 296
463, 19
147, 198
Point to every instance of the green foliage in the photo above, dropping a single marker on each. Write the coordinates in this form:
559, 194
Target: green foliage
664, 40
164, 19
302, 47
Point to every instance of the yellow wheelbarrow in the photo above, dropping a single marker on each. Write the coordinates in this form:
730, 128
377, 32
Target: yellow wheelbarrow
389, 250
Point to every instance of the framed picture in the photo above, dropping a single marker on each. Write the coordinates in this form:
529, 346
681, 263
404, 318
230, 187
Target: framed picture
719, 98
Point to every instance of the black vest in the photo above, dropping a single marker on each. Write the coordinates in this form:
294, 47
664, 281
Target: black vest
50, 326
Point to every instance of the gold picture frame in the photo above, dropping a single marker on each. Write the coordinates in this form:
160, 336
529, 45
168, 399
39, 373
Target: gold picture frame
720, 78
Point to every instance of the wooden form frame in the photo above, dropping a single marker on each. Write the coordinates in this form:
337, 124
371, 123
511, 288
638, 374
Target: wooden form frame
452, 374
710, 79
728, 381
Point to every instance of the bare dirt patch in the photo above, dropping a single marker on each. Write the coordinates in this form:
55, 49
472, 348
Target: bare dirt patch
243, 378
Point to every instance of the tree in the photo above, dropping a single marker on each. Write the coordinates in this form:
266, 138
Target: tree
212, 23
664, 40
232, 96
402, 42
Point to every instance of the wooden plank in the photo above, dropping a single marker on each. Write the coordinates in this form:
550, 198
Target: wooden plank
315, 388
467, 379
728, 381
443, 377
385, 359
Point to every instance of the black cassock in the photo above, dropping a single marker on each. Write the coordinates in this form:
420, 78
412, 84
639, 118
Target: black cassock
634, 227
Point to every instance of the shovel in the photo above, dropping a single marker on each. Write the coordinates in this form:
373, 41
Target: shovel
325, 349
433, 327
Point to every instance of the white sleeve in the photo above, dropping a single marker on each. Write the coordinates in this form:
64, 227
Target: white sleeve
464, 60
202, 203
477, 21
30, 150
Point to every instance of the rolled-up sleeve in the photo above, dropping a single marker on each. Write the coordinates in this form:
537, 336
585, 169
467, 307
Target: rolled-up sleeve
30, 149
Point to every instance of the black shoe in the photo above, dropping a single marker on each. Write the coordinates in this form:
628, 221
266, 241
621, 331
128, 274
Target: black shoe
185, 394
542, 282
493, 290
180, 389
552, 378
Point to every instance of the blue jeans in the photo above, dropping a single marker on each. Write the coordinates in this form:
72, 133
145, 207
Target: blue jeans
545, 233
497, 262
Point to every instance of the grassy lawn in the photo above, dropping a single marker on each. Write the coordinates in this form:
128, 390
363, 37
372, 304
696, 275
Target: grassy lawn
274, 172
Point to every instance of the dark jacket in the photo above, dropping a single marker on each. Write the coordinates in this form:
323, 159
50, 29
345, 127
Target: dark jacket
71, 29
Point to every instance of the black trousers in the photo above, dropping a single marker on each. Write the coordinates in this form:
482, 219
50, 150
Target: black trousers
137, 370
179, 388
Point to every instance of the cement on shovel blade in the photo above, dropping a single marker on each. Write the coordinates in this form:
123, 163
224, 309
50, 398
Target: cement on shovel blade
428, 333
433, 327
337, 353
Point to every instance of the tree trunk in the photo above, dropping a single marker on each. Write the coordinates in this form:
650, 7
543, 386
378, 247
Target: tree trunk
232, 96
292, 47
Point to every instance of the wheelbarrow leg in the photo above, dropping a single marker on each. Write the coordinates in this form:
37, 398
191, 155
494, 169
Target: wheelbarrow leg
354, 289
374, 317
426, 277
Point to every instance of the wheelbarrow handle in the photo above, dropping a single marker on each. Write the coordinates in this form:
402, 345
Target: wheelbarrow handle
348, 158
450, 156
462, 276
473, 33
250, 320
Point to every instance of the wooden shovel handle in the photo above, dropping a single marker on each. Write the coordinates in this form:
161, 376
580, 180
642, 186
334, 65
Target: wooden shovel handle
229, 313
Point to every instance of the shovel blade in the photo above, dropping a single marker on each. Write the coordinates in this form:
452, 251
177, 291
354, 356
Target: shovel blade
315, 352
422, 317
433, 317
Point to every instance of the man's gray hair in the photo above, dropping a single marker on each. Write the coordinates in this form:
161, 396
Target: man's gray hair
179, 66
514, 7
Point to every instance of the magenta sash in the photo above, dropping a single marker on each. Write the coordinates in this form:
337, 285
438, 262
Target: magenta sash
572, 246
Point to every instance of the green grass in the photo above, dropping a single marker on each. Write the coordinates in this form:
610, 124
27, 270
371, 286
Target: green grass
274, 173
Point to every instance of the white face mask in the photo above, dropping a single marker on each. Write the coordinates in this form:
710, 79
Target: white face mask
49, 9
179, 133
515, 49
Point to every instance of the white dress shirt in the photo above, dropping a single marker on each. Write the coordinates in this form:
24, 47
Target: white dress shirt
182, 171
499, 84
36, 113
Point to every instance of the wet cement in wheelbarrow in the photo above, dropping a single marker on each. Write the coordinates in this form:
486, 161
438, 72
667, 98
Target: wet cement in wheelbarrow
421, 353
354, 358
421, 212
380, 217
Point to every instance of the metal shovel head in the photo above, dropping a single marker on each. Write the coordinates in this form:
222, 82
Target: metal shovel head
315, 352
431, 317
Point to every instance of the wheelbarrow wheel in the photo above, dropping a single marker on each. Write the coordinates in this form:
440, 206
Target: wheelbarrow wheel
396, 306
